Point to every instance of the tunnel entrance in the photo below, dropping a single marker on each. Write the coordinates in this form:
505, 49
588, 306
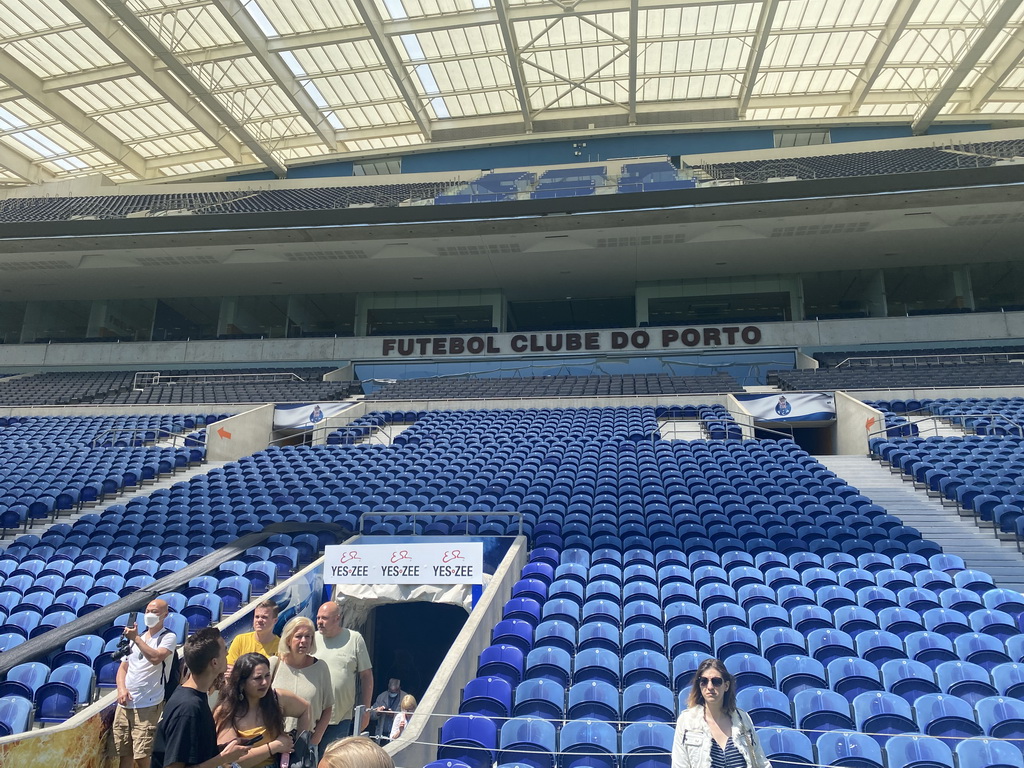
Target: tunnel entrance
409, 641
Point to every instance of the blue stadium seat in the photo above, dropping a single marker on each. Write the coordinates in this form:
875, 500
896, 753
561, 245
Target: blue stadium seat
766, 706
851, 750
15, 715
529, 741
970, 682
539, 697
909, 679
917, 752
488, 696
647, 745
1002, 718
594, 700
595, 739
938, 714
992, 753
881, 714
784, 746
820, 709
471, 739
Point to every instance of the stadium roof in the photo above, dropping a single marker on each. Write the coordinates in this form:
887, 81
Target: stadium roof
158, 89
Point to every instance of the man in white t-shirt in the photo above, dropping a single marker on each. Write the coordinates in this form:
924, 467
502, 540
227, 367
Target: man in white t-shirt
140, 687
346, 655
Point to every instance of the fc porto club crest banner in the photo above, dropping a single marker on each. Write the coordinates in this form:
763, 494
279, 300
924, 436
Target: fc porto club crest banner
306, 415
791, 406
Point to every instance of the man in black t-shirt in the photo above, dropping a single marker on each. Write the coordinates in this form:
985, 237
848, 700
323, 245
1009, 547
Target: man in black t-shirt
187, 737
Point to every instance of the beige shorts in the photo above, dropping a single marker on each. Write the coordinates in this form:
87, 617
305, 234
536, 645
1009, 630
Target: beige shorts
135, 729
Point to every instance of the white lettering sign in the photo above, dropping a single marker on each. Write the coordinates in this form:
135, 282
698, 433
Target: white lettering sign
461, 562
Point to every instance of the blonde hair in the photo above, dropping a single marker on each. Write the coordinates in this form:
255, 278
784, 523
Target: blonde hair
294, 625
355, 752
408, 702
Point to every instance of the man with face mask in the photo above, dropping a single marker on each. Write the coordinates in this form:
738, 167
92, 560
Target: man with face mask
140, 687
387, 704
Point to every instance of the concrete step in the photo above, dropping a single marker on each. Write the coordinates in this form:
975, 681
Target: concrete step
979, 547
933, 426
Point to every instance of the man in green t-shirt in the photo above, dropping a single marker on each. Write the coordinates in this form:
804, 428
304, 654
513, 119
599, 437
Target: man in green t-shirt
345, 652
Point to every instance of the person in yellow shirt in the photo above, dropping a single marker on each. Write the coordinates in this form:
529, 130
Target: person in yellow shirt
261, 640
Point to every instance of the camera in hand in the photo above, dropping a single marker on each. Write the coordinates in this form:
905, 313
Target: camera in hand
124, 647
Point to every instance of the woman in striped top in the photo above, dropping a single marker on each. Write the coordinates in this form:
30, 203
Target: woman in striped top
711, 732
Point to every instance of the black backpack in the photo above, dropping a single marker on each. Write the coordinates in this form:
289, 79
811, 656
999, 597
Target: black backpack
170, 674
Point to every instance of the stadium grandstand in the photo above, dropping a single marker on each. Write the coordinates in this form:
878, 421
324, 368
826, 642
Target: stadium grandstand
650, 331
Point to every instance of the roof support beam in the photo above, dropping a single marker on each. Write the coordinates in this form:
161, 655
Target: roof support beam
634, 23
1002, 65
756, 55
21, 77
515, 62
389, 53
880, 52
1000, 18
128, 46
254, 39
22, 167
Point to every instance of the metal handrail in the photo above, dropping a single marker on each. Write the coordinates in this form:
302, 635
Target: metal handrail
172, 436
937, 417
382, 514
959, 356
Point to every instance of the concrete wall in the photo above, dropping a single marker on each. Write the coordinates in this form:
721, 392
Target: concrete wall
805, 362
742, 415
459, 666
240, 435
995, 327
852, 424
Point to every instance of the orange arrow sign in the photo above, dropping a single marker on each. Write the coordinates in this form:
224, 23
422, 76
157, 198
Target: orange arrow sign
223, 433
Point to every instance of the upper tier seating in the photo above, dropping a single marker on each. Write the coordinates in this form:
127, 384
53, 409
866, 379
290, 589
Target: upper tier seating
937, 355
19, 209
901, 376
63, 387
489, 188
554, 386
233, 385
877, 163
569, 182
652, 176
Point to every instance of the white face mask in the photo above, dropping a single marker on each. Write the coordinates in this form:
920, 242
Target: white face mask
151, 620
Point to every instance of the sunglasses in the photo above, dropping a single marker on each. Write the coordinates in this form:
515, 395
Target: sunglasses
713, 681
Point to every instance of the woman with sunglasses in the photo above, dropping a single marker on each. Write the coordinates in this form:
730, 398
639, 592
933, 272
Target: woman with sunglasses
711, 732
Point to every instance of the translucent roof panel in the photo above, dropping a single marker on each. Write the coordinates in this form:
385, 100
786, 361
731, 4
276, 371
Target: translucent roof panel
152, 89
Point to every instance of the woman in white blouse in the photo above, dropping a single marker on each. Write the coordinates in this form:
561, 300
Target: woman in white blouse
296, 670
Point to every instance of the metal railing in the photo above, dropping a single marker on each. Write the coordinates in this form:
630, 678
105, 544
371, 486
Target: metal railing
145, 379
969, 357
456, 514
161, 436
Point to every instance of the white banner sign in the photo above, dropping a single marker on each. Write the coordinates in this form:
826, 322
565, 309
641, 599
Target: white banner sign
305, 415
791, 406
461, 562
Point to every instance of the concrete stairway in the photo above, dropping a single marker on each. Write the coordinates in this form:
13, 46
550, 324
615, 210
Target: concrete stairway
978, 547
932, 426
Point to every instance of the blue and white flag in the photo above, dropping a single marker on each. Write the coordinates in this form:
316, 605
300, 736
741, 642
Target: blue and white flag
306, 415
791, 406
